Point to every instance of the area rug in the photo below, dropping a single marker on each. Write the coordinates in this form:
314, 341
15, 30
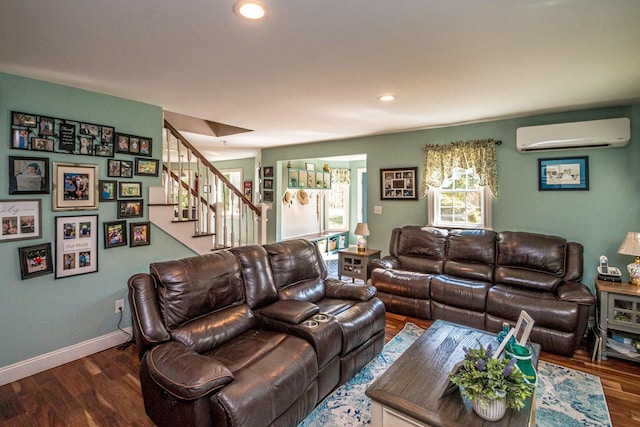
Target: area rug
564, 397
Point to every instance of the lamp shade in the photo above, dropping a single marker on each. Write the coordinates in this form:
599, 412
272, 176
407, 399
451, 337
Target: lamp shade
362, 229
630, 245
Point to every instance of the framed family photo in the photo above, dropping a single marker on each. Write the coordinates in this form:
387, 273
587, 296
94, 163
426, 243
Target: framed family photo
398, 184
115, 234
129, 189
28, 175
140, 233
130, 208
35, 261
21, 219
107, 190
75, 187
148, 167
76, 245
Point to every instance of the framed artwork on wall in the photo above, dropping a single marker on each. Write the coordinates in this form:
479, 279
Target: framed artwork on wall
35, 261
147, 167
130, 208
140, 234
115, 234
107, 190
76, 245
398, 184
129, 189
563, 173
21, 219
28, 175
268, 172
75, 187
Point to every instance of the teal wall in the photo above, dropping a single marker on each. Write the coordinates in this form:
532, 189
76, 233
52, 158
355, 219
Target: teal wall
598, 218
43, 314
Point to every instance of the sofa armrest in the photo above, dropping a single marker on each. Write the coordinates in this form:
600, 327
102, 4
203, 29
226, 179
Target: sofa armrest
387, 263
575, 292
340, 290
290, 311
183, 373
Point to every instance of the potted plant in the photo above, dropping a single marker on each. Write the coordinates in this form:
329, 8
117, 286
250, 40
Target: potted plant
491, 383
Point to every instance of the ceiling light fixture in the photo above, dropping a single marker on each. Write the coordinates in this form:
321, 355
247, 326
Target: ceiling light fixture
250, 10
387, 98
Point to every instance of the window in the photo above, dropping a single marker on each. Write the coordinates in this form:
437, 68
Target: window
235, 177
460, 202
337, 207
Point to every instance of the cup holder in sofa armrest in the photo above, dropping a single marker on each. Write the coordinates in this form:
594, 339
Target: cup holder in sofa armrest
290, 311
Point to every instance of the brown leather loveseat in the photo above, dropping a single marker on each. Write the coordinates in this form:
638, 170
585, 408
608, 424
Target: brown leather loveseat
255, 336
483, 278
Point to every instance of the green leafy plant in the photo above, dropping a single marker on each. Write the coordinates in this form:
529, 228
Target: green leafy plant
485, 378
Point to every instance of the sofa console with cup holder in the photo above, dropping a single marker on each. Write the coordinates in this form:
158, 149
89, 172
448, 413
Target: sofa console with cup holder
252, 336
482, 278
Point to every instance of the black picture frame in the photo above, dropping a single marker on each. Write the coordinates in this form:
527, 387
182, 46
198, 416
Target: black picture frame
130, 208
108, 190
140, 233
399, 183
67, 137
267, 172
35, 260
113, 168
268, 183
115, 234
29, 175
147, 167
42, 144
76, 245
268, 196
129, 189
23, 119
47, 126
126, 169
563, 174
20, 139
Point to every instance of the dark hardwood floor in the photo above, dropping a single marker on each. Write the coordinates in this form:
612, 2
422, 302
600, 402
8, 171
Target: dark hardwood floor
103, 389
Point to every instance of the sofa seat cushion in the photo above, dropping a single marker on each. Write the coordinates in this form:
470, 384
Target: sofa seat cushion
455, 292
271, 372
547, 311
408, 284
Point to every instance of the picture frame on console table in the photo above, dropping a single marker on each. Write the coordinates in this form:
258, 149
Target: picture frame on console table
563, 173
399, 184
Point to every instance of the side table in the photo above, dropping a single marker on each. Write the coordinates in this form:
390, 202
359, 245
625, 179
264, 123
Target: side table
618, 312
355, 264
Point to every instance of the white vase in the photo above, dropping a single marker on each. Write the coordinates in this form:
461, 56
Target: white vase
493, 410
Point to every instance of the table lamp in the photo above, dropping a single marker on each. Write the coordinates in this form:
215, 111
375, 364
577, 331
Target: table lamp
362, 230
631, 246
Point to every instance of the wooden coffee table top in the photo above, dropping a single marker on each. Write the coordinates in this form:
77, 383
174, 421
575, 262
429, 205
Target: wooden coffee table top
415, 382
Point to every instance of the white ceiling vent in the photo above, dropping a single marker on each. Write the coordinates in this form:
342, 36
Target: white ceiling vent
567, 136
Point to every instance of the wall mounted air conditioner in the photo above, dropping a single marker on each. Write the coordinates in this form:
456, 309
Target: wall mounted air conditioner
566, 136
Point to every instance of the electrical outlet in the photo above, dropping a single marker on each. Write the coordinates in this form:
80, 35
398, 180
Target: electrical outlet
119, 306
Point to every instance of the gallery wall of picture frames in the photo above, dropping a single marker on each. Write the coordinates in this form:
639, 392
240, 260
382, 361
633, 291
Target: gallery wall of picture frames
21, 219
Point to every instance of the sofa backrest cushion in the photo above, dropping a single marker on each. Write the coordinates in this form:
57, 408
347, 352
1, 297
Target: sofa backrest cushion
192, 287
214, 329
422, 249
298, 269
471, 254
535, 261
259, 286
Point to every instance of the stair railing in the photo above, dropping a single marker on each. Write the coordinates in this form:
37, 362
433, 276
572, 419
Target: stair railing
206, 197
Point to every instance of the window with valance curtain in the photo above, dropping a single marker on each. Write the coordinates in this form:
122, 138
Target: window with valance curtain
440, 161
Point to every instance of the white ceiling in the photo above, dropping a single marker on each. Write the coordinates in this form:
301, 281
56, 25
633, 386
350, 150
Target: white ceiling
314, 69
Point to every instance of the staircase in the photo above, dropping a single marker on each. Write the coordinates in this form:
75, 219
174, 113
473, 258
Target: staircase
197, 204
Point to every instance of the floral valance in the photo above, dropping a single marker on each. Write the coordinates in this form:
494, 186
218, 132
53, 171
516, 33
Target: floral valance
440, 160
340, 176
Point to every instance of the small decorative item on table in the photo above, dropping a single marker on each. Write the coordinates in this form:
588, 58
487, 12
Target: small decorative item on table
485, 379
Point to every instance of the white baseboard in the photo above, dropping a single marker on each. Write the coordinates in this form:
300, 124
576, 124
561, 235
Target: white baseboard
59, 357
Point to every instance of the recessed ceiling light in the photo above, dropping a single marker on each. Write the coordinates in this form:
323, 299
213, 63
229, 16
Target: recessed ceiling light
250, 10
387, 98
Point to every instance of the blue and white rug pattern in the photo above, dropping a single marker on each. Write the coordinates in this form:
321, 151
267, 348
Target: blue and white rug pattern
564, 397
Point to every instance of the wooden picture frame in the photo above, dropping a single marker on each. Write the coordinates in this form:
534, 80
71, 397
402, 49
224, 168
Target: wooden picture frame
115, 234
563, 173
21, 219
76, 245
108, 190
267, 172
130, 208
140, 233
399, 184
129, 189
75, 186
35, 260
28, 175
147, 167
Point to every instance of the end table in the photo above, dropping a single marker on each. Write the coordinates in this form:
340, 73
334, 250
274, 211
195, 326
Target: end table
355, 264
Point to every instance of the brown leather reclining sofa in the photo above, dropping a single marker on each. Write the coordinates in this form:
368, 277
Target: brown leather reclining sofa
482, 278
254, 336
